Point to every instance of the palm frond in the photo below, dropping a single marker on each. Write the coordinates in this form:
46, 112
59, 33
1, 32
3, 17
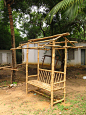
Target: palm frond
63, 5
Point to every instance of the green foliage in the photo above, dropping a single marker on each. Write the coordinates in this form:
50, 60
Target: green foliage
73, 8
1, 5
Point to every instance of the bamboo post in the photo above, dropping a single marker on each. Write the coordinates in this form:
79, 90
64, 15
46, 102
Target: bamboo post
38, 63
65, 66
27, 70
11, 76
52, 72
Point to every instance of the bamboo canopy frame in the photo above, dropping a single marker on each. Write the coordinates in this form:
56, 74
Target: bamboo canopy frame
49, 80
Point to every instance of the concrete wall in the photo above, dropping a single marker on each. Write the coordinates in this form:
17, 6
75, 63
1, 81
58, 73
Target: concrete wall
5, 57
32, 56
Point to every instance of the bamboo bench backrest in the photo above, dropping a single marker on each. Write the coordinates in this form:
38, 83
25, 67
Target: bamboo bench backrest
45, 76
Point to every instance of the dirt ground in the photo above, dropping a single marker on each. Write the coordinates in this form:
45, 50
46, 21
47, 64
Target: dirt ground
14, 101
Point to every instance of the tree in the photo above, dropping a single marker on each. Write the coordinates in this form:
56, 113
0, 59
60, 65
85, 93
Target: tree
73, 7
8, 3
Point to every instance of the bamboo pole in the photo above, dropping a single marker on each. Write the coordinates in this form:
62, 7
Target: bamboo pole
54, 36
38, 64
69, 41
27, 70
52, 73
64, 42
11, 77
40, 48
65, 66
32, 75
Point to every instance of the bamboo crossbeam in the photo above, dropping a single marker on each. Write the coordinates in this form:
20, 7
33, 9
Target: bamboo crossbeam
5, 67
59, 72
46, 41
14, 69
59, 82
53, 45
41, 93
54, 36
43, 41
70, 47
8, 67
57, 101
44, 70
40, 48
32, 75
73, 47
64, 42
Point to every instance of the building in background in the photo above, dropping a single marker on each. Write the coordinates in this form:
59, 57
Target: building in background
5, 57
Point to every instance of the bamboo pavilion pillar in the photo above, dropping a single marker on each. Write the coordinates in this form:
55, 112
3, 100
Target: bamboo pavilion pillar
52, 72
38, 63
65, 66
27, 69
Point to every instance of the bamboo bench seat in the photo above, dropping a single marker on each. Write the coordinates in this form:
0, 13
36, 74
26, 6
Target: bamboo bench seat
43, 85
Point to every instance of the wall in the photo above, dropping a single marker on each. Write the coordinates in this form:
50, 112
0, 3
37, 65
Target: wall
5, 57
32, 56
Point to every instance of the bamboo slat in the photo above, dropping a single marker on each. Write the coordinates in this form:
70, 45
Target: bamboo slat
43, 85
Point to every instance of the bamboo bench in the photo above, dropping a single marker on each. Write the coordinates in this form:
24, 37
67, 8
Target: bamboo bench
44, 80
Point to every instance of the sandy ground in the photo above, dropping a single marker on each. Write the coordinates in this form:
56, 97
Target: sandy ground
14, 101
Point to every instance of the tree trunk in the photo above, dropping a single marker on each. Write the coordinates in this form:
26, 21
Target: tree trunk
12, 41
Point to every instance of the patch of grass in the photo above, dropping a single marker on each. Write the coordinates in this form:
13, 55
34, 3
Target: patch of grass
78, 73
60, 107
77, 107
36, 112
15, 83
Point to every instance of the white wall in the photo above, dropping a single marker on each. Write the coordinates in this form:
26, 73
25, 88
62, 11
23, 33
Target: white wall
77, 55
5, 57
32, 56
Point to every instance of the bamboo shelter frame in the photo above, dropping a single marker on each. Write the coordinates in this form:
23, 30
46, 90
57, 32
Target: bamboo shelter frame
48, 80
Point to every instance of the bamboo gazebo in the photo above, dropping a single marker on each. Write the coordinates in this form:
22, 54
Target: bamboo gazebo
49, 80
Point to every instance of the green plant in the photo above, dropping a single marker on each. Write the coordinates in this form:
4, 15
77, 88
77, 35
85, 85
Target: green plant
15, 83
60, 107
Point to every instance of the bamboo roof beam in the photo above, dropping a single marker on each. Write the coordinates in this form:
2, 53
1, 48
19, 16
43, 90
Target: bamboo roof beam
45, 38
